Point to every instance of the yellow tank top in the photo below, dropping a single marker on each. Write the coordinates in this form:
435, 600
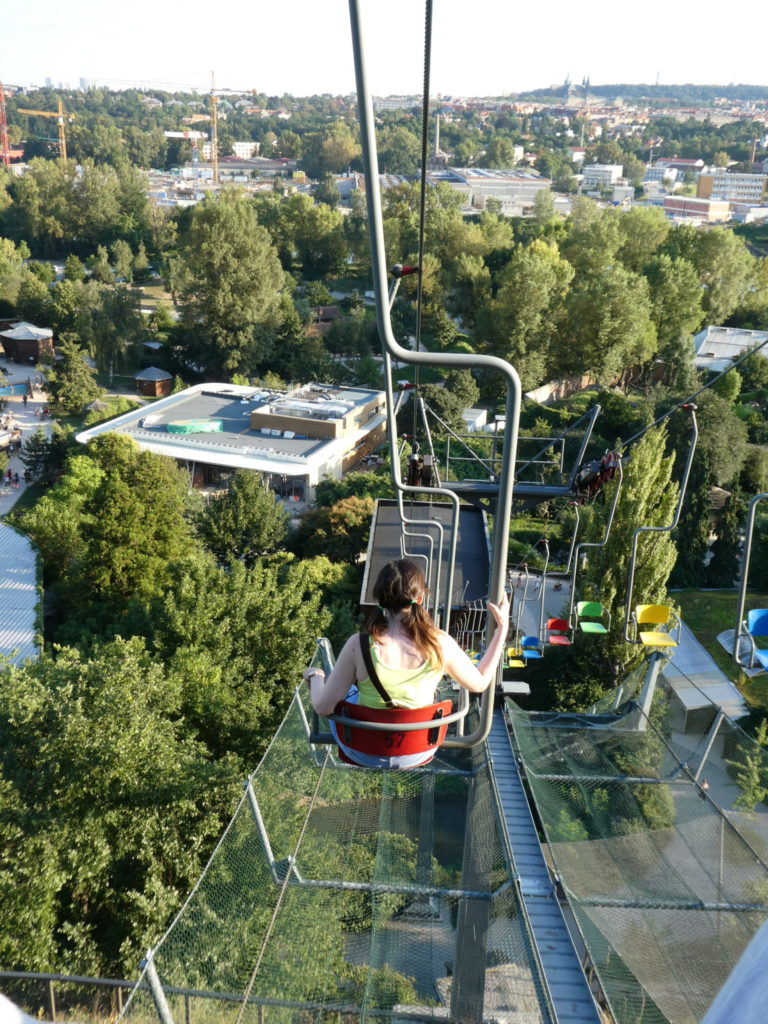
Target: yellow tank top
407, 687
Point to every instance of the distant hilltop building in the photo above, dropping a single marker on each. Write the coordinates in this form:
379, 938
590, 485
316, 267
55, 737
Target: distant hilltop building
740, 188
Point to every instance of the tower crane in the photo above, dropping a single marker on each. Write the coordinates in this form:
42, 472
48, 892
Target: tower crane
59, 115
214, 132
5, 149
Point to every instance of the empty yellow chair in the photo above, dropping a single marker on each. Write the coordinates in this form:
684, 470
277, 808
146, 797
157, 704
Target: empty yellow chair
649, 615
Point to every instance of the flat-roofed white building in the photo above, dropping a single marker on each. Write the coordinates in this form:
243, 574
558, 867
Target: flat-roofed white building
514, 189
293, 438
715, 348
601, 175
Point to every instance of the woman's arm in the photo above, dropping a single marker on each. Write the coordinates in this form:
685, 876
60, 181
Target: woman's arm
477, 678
325, 694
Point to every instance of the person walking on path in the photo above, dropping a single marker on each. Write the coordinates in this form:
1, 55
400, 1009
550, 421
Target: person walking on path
25, 399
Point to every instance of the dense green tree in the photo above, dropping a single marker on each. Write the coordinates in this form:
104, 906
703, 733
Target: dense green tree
134, 527
91, 877
243, 522
462, 385
676, 307
523, 321
692, 534
122, 260
12, 271
399, 151
71, 382
33, 301
74, 270
339, 532
327, 191
110, 324
500, 152
725, 268
723, 569
228, 281
332, 149
722, 436
754, 473
609, 327
236, 639
317, 234
594, 238
101, 270
643, 230
648, 498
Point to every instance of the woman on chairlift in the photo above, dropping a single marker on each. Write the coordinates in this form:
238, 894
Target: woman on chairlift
405, 654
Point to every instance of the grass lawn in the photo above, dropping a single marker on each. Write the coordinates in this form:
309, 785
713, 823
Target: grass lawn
708, 613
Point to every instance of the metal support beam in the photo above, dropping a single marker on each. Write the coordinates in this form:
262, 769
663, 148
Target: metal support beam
155, 987
649, 688
712, 736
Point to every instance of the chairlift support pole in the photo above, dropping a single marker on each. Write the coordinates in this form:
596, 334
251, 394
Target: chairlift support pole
595, 544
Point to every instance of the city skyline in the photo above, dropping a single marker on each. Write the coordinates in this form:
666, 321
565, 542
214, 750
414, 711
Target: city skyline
488, 51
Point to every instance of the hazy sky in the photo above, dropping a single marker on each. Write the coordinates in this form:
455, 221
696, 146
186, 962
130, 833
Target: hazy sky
480, 47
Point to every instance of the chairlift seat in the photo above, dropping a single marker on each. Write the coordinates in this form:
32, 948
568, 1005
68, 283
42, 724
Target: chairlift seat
389, 744
757, 625
594, 610
656, 615
514, 658
557, 633
531, 648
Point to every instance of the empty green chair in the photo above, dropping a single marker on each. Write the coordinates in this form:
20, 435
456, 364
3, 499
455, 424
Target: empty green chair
593, 618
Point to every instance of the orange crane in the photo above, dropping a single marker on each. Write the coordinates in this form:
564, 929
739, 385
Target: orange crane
5, 149
59, 115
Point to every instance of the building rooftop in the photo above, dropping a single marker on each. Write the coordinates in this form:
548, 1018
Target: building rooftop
226, 438
715, 348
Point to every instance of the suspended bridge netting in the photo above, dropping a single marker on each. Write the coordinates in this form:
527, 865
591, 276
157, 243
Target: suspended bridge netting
349, 895
659, 835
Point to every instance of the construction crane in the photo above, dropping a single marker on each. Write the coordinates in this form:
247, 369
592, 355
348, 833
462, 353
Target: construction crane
214, 133
59, 115
5, 149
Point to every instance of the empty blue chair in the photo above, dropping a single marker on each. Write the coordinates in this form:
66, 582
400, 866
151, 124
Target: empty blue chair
757, 626
531, 647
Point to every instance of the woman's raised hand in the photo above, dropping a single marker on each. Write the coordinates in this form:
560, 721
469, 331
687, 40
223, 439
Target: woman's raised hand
500, 611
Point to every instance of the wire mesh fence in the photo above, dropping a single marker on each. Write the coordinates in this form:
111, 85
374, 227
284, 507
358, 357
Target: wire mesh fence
345, 895
666, 884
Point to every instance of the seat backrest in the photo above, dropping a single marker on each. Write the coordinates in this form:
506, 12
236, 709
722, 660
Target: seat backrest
757, 621
558, 625
589, 608
390, 744
652, 614
530, 641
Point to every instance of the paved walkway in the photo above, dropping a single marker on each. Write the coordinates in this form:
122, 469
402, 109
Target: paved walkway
27, 419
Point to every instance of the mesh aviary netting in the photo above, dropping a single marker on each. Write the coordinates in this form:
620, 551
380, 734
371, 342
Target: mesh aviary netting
659, 835
344, 895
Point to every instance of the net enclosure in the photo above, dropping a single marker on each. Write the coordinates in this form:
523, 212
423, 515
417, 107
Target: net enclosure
658, 838
345, 895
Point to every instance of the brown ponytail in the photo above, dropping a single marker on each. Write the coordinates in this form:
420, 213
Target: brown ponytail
400, 587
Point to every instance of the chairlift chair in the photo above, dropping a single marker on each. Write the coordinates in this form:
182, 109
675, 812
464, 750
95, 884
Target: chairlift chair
757, 625
558, 633
531, 648
394, 742
649, 615
590, 617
